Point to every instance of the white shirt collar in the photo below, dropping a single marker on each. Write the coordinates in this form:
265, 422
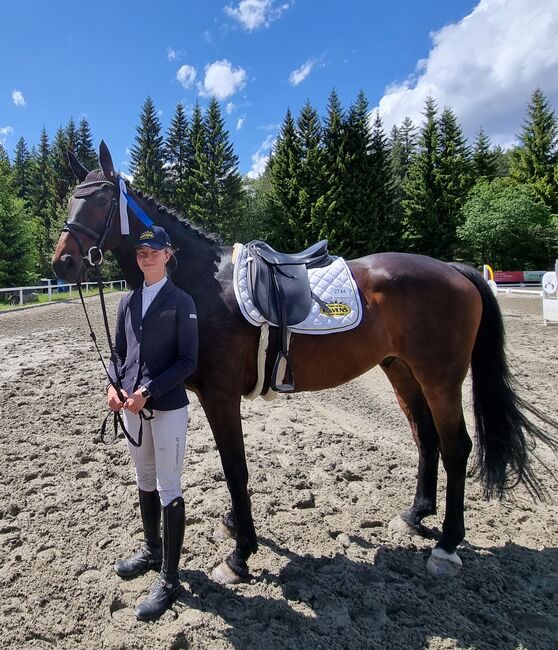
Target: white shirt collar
155, 287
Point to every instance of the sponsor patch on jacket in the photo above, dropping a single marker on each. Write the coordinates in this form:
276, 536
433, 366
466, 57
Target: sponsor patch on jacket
194, 316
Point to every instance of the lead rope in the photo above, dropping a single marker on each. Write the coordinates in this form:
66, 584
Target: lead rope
118, 421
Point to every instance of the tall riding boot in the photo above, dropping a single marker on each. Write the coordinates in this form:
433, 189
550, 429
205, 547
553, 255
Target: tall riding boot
149, 556
165, 590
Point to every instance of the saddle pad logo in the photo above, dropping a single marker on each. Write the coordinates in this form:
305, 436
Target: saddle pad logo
147, 234
337, 309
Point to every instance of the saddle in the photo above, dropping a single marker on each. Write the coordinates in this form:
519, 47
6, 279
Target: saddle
280, 290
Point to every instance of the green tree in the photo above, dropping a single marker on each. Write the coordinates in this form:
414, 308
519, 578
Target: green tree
358, 188
177, 154
453, 179
506, 227
5, 164
147, 154
384, 228
43, 202
22, 171
283, 167
197, 194
534, 160
85, 151
224, 183
16, 241
62, 174
403, 143
335, 218
503, 160
420, 205
485, 164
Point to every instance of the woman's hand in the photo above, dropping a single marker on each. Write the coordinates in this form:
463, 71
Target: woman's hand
135, 402
113, 400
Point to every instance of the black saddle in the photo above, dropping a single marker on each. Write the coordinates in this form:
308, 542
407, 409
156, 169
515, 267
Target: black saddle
280, 290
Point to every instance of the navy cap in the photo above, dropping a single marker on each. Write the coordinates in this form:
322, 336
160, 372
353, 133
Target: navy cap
155, 237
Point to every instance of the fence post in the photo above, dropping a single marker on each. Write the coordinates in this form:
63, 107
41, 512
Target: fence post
49, 290
21, 296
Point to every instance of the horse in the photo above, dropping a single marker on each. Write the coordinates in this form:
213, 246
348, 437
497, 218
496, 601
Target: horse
425, 322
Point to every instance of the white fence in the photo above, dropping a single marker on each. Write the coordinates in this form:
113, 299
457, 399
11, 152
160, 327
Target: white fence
17, 295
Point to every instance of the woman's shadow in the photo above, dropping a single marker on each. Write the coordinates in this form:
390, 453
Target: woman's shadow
505, 597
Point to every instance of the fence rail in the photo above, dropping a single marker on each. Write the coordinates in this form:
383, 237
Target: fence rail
16, 295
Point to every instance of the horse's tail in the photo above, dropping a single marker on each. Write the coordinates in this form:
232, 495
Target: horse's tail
505, 435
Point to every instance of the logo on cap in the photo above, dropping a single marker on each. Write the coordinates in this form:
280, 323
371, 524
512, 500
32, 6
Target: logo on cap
147, 234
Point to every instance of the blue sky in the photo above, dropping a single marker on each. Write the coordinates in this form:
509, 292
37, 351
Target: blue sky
60, 59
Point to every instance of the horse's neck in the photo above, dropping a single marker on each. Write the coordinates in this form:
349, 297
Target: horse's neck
197, 255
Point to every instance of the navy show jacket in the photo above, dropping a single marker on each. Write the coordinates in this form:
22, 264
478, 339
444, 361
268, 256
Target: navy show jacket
159, 351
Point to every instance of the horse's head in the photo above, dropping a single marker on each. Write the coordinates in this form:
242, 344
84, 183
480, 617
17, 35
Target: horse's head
93, 218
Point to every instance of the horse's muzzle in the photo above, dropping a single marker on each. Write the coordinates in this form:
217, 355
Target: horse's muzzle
67, 267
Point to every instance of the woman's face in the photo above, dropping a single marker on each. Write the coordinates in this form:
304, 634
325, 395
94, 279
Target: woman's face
151, 261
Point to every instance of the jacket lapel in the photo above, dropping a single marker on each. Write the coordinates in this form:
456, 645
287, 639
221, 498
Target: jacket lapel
159, 298
135, 309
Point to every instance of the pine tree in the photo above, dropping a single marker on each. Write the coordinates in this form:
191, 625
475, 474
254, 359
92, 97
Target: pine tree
178, 161
484, 157
85, 151
147, 155
533, 162
5, 165
310, 177
420, 205
336, 218
403, 143
63, 176
384, 228
22, 171
197, 195
454, 180
224, 181
16, 244
72, 135
358, 190
43, 201
284, 167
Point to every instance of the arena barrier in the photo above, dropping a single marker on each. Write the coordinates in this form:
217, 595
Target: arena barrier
24, 295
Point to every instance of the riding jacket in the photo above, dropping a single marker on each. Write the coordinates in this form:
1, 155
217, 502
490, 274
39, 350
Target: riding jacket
160, 350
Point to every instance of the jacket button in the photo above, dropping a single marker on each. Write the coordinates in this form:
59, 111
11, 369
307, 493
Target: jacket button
141, 327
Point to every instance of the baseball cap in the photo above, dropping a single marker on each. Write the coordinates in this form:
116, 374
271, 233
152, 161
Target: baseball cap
155, 237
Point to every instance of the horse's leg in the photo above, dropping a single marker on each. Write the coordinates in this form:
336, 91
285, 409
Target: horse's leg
455, 447
223, 414
413, 404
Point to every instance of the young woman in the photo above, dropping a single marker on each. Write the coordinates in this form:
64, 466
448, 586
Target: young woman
156, 344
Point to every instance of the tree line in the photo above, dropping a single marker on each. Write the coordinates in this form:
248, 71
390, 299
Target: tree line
421, 189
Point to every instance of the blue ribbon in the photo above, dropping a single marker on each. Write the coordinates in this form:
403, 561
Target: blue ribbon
140, 214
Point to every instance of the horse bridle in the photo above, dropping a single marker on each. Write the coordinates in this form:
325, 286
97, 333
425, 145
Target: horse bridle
94, 254
94, 258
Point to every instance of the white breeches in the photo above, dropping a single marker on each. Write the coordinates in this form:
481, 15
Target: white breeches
158, 462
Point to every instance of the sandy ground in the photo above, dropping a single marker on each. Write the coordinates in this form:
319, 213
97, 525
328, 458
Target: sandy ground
328, 471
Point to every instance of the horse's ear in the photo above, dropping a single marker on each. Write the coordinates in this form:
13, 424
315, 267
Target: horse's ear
80, 172
106, 162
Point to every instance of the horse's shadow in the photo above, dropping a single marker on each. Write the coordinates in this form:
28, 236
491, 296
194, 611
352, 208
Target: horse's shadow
505, 597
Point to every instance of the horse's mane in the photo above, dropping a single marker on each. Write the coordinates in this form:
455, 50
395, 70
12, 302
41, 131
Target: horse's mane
175, 216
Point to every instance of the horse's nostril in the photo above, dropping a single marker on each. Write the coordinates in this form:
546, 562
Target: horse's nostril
67, 262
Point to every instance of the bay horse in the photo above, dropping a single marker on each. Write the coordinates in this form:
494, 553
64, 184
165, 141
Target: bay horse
425, 322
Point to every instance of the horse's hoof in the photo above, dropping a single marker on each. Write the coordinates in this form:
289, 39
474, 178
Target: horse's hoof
442, 564
224, 575
222, 532
400, 527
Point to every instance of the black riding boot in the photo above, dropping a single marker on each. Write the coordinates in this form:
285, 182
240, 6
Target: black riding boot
149, 556
165, 590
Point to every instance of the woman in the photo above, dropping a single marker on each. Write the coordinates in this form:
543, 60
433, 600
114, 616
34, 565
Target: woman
156, 345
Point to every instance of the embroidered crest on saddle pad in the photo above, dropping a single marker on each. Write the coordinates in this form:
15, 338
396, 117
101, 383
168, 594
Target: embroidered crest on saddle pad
335, 307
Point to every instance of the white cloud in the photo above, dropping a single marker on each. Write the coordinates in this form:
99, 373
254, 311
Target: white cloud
171, 54
222, 80
4, 131
299, 75
230, 107
240, 123
18, 98
485, 67
269, 127
253, 14
186, 75
260, 158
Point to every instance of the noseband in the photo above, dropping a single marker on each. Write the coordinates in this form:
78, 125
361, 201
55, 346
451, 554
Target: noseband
94, 255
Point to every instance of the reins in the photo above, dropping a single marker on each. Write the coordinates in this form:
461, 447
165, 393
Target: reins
94, 258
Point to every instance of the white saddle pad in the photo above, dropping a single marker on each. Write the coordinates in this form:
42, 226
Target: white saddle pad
333, 284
